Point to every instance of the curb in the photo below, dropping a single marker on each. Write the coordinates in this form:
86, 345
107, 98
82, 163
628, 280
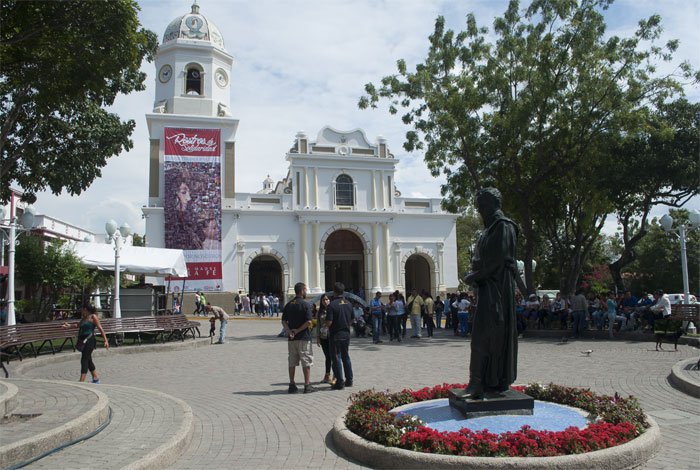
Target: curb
23, 366
166, 454
8, 398
26, 449
629, 455
681, 381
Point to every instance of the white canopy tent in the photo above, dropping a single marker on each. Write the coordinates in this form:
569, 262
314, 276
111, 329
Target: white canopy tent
133, 259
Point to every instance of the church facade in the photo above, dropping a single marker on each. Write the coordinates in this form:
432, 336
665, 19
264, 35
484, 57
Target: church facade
337, 215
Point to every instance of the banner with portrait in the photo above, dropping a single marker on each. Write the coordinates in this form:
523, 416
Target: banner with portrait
192, 200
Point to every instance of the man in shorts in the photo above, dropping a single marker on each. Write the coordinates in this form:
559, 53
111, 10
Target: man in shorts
296, 320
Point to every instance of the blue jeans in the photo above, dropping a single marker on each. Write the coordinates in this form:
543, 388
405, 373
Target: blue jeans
222, 331
341, 359
415, 325
579, 322
463, 323
438, 319
376, 326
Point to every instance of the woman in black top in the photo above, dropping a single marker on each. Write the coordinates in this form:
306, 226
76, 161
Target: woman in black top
322, 335
86, 340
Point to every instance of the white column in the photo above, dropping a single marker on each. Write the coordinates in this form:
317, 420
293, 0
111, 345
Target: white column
397, 264
290, 262
315, 188
11, 320
306, 188
374, 190
303, 258
441, 268
240, 252
316, 258
385, 204
388, 283
375, 258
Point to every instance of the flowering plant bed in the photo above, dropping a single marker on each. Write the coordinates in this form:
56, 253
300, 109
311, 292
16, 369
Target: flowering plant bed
614, 421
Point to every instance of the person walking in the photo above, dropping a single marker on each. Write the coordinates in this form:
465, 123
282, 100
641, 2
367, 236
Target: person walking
197, 303
297, 318
439, 307
338, 322
87, 343
222, 316
202, 304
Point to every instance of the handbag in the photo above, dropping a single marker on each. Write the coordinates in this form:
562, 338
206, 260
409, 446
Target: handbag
81, 343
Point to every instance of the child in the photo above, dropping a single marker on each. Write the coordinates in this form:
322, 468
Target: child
212, 326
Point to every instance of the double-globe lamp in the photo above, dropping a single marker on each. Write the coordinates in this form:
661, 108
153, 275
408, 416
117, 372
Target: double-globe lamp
666, 223
11, 227
118, 236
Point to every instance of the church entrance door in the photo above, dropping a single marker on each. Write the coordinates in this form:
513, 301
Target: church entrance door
417, 274
344, 261
265, 275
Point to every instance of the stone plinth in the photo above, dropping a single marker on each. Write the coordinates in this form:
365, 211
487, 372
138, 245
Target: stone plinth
509, 402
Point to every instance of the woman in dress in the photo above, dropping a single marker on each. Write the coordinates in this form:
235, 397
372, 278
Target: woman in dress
86, 338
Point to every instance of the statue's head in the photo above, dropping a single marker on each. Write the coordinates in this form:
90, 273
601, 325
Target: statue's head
488, 201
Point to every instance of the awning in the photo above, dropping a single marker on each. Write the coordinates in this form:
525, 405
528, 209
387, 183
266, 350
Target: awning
132, 259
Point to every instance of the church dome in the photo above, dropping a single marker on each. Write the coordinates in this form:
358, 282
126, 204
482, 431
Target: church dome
193, 26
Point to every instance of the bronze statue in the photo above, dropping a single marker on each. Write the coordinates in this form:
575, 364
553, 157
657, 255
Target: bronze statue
494, 345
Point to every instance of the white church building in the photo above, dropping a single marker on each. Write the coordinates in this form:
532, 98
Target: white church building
336, 216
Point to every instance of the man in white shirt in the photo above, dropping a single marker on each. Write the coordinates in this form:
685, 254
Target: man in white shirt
662, 305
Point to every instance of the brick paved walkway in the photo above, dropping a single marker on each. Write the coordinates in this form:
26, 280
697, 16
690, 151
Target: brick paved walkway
244, 418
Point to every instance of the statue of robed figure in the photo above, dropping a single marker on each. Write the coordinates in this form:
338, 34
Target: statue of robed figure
494, 344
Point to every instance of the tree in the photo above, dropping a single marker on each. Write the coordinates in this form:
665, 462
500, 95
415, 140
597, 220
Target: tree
61, 63
657, 264
657, 165
47, 271
533, 114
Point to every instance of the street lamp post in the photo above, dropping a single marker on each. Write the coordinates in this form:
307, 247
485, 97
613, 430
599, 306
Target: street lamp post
666, 223
11, 226
118, 236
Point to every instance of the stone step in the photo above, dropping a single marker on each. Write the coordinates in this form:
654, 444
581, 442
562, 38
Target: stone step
148, 429
46, 415
8, 399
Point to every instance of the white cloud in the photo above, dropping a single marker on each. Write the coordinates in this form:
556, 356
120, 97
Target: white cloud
302, 65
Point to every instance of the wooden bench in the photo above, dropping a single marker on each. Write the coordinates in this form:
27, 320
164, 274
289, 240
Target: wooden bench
16, 338
675, 325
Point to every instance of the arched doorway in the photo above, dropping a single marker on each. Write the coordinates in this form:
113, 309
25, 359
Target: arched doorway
265, 275
344, 260
417, 274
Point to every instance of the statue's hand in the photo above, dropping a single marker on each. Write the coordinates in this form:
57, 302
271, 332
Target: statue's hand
469, 279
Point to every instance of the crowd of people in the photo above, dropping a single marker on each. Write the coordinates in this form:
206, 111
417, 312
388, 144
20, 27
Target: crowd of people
614, 312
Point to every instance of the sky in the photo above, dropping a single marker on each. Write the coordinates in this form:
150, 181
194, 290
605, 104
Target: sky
302, 65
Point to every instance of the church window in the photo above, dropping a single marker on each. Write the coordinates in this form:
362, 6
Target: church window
344, 191
193, 81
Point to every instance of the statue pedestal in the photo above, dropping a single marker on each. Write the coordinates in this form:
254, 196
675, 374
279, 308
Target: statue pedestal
509, 402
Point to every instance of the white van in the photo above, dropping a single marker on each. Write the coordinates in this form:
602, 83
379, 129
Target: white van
680, 299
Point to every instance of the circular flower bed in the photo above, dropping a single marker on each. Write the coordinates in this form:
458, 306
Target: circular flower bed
613, 421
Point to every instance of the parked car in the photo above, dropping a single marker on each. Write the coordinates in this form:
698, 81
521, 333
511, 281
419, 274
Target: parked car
680, 299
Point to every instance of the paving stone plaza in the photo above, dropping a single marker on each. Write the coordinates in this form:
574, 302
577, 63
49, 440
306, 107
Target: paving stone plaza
242, 417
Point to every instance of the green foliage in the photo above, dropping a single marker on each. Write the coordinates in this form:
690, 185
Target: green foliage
657, 263
469, 226
62, 62
538, 112
665, 148
48, 272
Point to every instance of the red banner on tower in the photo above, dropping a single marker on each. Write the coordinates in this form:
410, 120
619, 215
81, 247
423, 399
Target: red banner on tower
192, 142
